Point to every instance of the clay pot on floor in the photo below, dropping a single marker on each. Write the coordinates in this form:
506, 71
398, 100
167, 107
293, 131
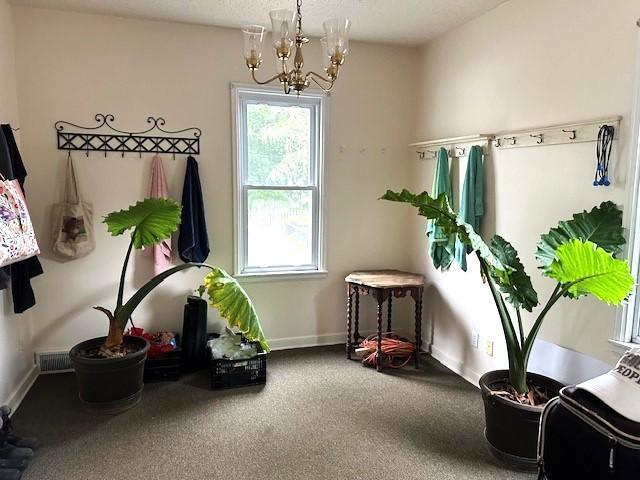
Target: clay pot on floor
511, 428
109, 385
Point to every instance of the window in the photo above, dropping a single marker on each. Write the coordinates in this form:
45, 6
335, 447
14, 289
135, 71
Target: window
628, 320
279, 146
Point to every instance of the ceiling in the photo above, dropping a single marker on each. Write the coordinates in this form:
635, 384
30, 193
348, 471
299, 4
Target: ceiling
408, 22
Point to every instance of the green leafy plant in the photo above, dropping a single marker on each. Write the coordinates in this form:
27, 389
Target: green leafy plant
151, 221
579, 254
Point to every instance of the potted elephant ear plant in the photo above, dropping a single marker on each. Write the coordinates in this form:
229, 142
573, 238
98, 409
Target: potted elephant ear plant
580, 256
109, 369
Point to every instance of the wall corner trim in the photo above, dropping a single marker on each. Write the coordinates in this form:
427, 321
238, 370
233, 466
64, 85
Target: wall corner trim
456, 366
16, 397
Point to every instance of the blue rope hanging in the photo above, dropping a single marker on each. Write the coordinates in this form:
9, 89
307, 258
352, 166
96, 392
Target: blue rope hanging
603, 152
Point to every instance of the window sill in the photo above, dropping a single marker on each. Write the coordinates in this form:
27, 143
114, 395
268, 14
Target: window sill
622, 347
280, 276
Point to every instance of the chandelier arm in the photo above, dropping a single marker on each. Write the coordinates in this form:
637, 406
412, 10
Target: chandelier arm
253, 75
313, 75
323, 88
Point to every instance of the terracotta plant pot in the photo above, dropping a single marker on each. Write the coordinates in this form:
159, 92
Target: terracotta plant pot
511, 428
109, 385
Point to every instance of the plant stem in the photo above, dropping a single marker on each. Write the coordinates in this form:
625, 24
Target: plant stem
558, 292
122, 275
517, 372
520, 328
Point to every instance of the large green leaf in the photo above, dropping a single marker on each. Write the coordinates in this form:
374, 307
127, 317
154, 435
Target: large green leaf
515, 284
587, 269
152, 220
233, 303
438, 210
602, 226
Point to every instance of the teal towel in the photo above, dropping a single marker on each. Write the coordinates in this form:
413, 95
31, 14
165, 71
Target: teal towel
472, 200
441, 246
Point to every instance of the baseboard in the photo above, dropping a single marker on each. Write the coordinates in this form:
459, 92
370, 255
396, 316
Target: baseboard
307, 341
455, 365
16, 397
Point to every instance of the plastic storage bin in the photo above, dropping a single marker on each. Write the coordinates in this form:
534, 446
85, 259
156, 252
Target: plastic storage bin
167, 367
237, 373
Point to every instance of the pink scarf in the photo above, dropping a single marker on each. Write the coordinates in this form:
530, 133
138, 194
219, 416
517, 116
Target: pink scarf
162, 251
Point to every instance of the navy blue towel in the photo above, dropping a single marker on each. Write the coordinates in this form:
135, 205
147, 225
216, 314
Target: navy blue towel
193, 242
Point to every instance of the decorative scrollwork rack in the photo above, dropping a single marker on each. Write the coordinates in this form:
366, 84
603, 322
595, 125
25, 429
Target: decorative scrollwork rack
111, 139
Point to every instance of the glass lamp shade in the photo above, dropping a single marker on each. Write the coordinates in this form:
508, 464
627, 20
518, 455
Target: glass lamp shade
326, 58
283, 31
337, 34
253, 40
327, 63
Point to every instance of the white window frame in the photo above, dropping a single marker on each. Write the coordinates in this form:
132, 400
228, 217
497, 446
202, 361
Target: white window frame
241, 96
627, 328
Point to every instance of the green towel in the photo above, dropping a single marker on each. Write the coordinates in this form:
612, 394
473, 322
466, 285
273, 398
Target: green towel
441, 246
472, 200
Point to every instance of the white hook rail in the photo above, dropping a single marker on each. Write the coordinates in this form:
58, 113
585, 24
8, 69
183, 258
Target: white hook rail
578, 132
456, 146
555, 135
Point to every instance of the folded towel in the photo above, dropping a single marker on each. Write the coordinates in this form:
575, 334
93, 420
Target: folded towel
193, 241
162, 251
472, 200
441, 246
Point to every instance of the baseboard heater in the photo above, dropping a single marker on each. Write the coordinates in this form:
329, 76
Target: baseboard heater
54, 362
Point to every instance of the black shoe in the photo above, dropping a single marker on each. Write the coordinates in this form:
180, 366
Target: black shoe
15, 464
11, 452
11, 437
10, 474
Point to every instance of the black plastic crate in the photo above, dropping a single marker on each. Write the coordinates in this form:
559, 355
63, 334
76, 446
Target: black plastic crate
237, 373
165, 368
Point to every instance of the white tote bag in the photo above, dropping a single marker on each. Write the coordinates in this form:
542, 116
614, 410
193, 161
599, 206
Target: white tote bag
17, 238
72, 220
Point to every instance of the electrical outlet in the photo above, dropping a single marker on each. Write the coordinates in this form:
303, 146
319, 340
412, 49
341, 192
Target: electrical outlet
475, 339
488, 348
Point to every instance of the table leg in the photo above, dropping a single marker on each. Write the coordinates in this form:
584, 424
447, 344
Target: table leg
356, 332
379, 346
349, 296
418, 344
389, 313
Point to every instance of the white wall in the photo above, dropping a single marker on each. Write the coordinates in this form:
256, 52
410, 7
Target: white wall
525, 64
71, 66
16, 359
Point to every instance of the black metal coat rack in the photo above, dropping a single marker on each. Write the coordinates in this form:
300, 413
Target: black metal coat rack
111, 139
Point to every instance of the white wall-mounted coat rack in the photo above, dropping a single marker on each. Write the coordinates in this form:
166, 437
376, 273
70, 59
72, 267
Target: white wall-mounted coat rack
555, 134
456, 146
578, 132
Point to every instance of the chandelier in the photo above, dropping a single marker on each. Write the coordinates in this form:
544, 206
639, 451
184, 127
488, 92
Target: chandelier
335, 46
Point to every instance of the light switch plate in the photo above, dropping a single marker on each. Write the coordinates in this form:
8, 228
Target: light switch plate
489, 347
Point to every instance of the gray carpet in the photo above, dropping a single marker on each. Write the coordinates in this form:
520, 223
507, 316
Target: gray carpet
319, 417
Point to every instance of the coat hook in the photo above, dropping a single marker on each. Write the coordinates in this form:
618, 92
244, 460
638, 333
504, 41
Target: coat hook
496, 142
572, 132
461, 149
539, 136
512, 139
420, 154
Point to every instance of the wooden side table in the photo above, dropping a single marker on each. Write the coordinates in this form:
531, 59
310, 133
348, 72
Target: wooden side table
383, 285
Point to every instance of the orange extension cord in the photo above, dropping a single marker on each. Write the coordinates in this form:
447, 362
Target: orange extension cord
393, 347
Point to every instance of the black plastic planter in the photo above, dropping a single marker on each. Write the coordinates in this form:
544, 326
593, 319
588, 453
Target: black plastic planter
512, 429
109, 385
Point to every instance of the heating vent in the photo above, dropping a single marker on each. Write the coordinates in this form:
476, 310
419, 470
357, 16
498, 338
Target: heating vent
53, 362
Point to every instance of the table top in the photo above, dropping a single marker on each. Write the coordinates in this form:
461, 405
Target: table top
385, 279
